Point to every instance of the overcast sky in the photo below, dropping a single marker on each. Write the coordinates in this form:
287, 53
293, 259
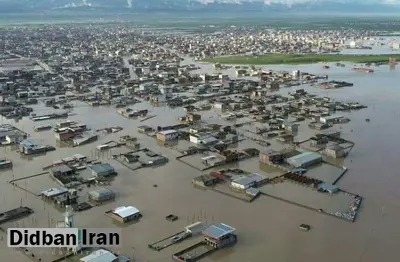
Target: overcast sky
290, 2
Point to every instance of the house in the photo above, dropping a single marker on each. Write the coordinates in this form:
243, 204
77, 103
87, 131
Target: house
101, 194
219, 236
203, 139
145, 129
125, 213
14, 138
205, 180
167, 135
61, 170
326, 187
330, 119
195, 228
318, 140
53, 192
103, 170
28, 147
304, 159
245, 182
193, 118
335, 151
84, 139
271, 156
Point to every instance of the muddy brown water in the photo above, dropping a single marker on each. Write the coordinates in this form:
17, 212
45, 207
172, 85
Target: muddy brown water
267, 229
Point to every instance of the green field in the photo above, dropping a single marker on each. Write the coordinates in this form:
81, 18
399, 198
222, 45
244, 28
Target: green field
299, 59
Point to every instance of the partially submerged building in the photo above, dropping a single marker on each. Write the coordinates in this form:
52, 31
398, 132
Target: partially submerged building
271, 156
304, 159
29, 147
167, 135
205, 180
220, 235
53, 192
102, 170
195, 228
102, 255
101, 194
244, 182
61, 170
329, 188
124, 214
11, 135
335, 151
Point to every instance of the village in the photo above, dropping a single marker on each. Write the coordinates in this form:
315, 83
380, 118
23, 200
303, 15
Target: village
113, 104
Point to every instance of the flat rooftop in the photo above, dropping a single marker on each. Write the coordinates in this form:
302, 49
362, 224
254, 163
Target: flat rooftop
217, 231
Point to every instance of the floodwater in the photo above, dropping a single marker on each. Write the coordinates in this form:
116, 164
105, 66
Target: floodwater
267, 229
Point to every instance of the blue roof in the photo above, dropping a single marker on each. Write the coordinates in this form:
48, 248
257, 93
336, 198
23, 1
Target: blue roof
303, 159
328, 187
102, 168
217, 231
27, 143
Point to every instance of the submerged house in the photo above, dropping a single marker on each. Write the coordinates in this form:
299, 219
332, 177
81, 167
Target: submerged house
102, 170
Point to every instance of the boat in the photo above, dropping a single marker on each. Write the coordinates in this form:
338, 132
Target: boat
305, 227
42, 128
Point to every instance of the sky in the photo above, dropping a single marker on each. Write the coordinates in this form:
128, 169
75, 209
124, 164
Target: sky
291, 2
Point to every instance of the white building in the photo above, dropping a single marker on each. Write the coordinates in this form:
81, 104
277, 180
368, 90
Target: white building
204, 139
195, 228
100, 255
167, 135
245, 182
396, 45
14, 138
335, 151
126, 213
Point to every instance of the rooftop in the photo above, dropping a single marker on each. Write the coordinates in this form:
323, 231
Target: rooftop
54, 191
102, 168
217, 231
101, 191
125, 211
28, 143
167, 132
61, 169
245, 180
328, 187
100, 255
304, 157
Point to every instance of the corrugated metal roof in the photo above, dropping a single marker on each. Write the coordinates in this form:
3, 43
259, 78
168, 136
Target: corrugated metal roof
328, 187
54, 191
101, 192
102, 168
100, 255
126, 211
302, 158
218, 230
245, 180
